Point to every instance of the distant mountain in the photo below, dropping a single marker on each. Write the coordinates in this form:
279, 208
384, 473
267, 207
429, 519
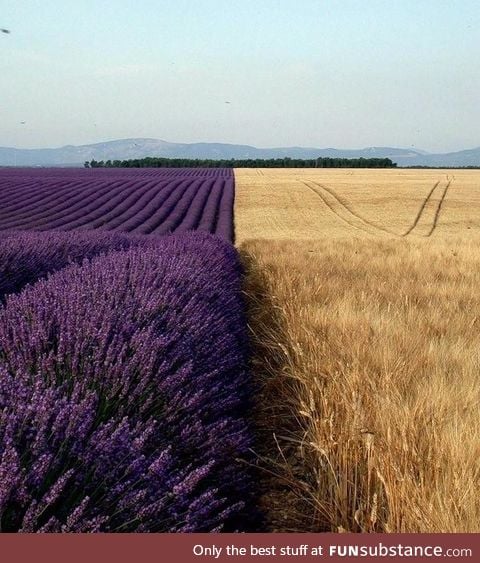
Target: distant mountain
71, 155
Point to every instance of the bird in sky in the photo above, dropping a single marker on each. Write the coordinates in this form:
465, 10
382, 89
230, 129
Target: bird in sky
3, 30
228, 102
23, 122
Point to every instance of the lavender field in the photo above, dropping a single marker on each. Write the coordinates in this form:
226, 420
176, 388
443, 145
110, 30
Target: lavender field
140, 201
124, 388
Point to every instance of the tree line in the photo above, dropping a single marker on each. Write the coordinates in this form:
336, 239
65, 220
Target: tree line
322, 162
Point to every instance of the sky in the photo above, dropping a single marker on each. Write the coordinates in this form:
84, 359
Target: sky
317, 73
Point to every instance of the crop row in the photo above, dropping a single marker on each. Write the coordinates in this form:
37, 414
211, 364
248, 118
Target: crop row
26, 257
123, 384
27, 173
144, 201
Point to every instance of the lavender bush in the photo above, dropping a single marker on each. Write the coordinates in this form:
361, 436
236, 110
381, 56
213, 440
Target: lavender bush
25, 257
123, 392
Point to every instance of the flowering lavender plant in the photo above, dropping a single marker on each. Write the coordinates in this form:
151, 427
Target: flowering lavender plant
123, 393
28, 256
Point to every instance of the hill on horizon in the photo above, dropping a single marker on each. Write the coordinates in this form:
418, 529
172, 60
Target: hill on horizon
122, 149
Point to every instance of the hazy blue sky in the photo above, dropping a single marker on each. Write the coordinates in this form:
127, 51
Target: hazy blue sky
344, 73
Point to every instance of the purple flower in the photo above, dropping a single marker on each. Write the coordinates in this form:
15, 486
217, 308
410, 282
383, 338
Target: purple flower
124, 393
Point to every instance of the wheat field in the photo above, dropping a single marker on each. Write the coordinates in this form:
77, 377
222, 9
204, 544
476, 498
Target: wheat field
305, 204
362, 288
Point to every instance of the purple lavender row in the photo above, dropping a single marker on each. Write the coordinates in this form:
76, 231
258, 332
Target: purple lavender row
148, 201
33, 224
179, 211
209, 215
26, 257
157, 212
123, 392
134, 209
26, 174
19, 196
66, 199
95, 207
225, 210
194, 214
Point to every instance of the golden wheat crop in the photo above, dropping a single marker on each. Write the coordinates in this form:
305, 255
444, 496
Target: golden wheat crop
365, 316
296, 204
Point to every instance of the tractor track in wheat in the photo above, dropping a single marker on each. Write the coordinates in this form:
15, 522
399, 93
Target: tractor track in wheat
439, 207
424, 208
344, 212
